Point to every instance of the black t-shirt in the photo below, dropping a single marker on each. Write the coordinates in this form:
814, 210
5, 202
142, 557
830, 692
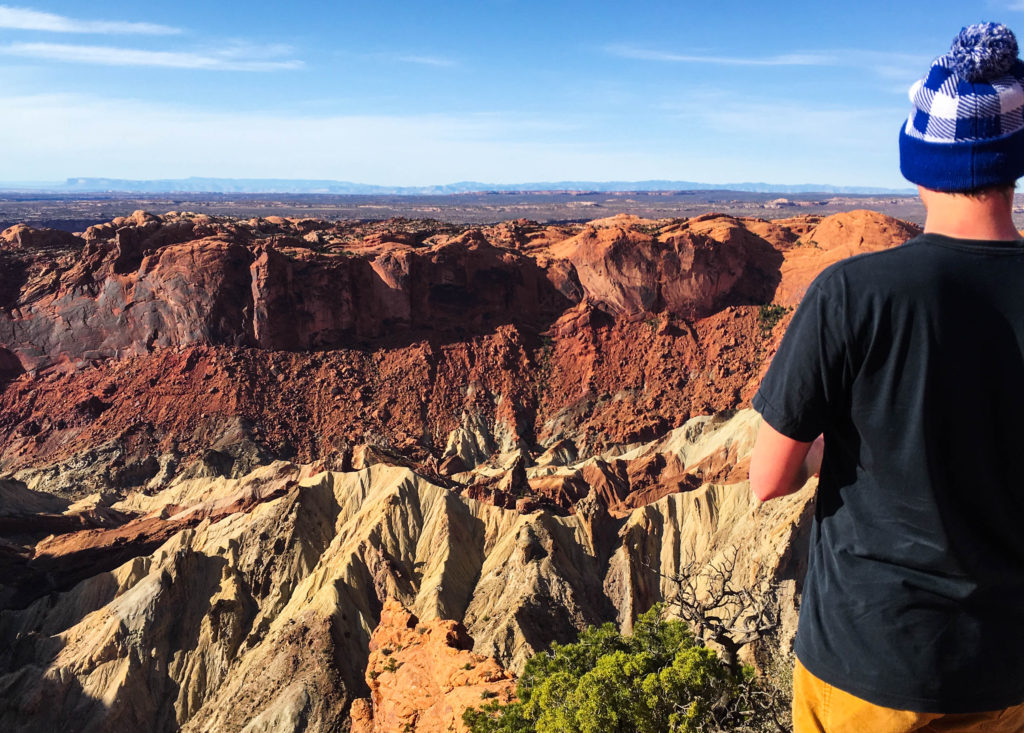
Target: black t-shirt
911, 362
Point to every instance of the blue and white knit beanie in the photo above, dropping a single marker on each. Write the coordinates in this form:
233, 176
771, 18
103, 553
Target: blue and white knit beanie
966, 129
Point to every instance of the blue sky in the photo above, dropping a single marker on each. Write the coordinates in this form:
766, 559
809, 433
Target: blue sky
502, 91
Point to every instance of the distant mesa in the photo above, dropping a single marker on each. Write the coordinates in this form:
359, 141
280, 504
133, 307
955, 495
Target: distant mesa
196, 184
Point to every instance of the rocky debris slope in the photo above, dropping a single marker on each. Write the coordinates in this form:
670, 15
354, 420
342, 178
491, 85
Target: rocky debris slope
225, 445
184, 343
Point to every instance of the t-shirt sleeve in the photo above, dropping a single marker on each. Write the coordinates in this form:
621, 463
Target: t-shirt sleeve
807, 377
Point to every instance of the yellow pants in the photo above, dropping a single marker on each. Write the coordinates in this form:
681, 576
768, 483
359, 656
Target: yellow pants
820, 707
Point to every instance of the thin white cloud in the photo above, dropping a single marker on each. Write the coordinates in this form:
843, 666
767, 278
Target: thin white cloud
760, 121
50, 137
889, 66
235, 48
27, 19
789, 59
54, 136
425, 60
113, 56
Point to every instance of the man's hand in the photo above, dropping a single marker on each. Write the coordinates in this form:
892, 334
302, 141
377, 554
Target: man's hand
781, 465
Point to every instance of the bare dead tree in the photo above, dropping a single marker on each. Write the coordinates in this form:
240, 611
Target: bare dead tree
721, 611
718, 609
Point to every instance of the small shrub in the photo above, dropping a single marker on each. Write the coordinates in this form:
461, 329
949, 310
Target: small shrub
769, 315
658, 679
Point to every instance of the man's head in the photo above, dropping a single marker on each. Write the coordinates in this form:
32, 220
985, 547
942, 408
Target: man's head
966, 130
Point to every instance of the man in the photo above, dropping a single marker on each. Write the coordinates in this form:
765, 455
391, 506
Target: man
902, 377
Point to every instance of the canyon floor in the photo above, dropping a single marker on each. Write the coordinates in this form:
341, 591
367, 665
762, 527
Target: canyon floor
240, 458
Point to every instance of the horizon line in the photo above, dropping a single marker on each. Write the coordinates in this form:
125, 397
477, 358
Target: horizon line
105, 184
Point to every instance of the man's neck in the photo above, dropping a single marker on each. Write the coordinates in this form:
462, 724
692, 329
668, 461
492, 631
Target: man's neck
968, 217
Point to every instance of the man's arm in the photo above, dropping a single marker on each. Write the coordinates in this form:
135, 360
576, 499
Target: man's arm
780, 465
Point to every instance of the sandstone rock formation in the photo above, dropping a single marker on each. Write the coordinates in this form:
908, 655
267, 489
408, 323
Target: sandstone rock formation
226, 445
423, 676
832, 239
230, 601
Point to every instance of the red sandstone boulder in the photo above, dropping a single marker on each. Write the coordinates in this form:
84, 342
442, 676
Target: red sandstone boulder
21, 236
422, 676
630, 270
833, 239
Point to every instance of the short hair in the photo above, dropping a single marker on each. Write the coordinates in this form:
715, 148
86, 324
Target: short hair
1006, 190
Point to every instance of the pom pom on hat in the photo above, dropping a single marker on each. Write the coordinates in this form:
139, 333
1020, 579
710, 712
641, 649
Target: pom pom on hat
983, 52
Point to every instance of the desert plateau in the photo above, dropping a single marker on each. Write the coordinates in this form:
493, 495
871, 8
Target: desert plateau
279, 473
